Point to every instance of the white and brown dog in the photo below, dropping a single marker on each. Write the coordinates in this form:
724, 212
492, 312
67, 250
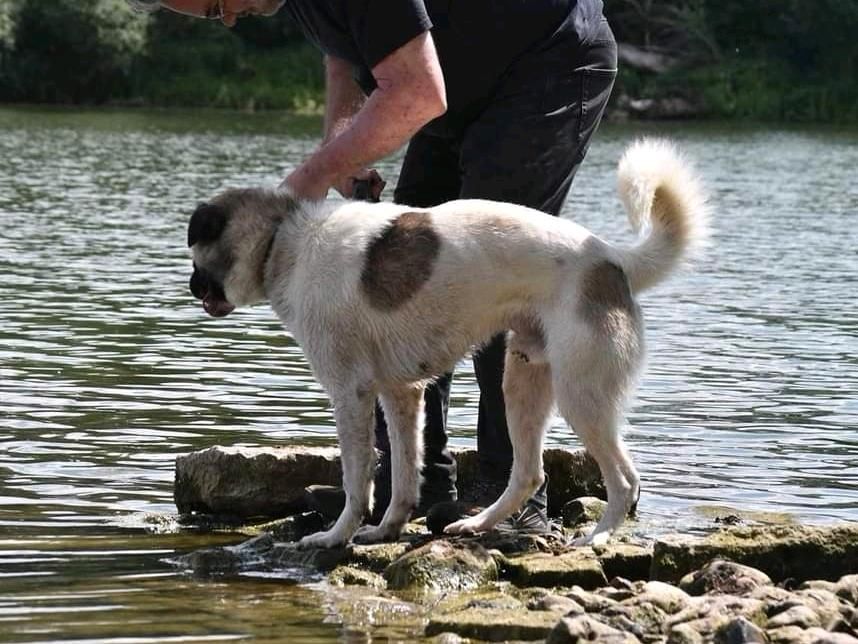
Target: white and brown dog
382, 298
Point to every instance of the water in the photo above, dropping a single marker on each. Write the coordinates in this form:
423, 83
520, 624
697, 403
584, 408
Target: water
109, 369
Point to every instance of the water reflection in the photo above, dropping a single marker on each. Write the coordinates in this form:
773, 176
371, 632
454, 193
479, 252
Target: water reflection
108, 369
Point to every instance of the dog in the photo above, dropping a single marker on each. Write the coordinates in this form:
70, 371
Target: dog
383, 298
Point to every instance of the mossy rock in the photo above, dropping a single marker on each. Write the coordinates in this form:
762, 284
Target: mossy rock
494, 625
353, 576
782, 552
440, 566
579, 567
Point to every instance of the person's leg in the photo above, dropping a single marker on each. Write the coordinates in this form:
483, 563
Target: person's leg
429, 176
526, 148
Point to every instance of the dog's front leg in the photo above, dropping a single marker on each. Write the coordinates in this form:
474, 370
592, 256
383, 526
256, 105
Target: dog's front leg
353, 412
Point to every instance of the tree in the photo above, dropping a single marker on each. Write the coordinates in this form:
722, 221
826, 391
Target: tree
76, 51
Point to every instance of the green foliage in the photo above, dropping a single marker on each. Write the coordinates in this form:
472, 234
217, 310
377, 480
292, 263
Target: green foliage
71, 50
761, 59
788, 60
200, 63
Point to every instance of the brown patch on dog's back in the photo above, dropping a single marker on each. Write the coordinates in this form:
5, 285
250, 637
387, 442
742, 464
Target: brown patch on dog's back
400, 260
606, 299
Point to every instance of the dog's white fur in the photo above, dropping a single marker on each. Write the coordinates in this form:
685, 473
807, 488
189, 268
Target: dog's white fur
575, 340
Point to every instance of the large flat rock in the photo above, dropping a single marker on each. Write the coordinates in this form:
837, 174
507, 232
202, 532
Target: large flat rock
782, 552
240, 483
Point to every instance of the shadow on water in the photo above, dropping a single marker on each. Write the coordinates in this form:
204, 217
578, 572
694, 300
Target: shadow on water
109, 370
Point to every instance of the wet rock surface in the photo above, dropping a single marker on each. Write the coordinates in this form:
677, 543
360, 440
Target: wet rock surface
779, 584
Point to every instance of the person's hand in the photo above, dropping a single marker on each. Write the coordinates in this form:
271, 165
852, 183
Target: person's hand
304, 184
346, 187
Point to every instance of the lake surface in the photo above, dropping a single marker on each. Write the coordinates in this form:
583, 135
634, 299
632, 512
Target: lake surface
109, 369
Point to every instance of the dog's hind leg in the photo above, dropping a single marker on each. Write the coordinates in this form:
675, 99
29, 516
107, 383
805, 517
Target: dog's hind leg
529, 401
590, 395
353, 411
403, 410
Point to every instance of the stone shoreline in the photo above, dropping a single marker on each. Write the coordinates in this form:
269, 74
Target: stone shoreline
767, 583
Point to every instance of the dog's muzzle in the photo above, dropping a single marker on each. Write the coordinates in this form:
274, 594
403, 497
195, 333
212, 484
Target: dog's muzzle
211, 293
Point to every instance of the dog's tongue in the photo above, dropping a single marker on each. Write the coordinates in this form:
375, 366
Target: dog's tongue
216, 307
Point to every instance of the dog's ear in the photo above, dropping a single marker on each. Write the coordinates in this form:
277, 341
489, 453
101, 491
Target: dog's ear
207, 223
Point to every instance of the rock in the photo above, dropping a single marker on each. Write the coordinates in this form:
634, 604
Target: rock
353, 576
583, 510
584, 628
725, 578
556, 603
448, 638
847, 589
234, 484
244, 482
782, 552
800, 616
643, 620
668, 598
827, 606
494, 625
378, 556
625, 560
788, 635
709, 614
820, 636
684, 634
740, 631
440, 566
578, 567
592, 602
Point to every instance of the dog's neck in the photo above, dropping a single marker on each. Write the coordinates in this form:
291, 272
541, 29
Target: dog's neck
289, 230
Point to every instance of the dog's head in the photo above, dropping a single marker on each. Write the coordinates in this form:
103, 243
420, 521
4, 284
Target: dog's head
230, 238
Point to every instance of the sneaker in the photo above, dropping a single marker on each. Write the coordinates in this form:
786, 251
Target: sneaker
531, 519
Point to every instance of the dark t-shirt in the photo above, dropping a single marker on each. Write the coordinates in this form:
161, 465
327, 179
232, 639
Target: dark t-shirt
477, 40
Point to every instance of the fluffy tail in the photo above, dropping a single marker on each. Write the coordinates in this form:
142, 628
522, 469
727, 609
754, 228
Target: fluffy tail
661, 193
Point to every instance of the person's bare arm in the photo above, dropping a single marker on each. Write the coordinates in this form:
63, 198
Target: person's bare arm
410, 92
343, 97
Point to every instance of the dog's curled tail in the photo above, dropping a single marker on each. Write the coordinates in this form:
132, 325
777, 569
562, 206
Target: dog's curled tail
663, 196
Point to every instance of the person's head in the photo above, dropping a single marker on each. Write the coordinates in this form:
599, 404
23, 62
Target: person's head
227, 11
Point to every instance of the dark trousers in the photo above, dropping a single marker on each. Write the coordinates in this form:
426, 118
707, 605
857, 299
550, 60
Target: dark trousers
524, 147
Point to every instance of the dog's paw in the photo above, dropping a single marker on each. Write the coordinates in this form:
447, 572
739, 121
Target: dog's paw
377, 534
593, 539
329, 539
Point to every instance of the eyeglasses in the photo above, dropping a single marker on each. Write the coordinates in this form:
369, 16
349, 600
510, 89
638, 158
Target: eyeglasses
215, 11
